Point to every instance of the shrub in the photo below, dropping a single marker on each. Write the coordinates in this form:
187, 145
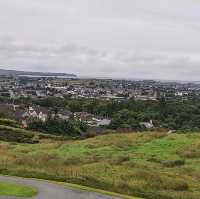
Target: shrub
174, 183
192, 152
72, 161
173, 163
120, 159
11, 134
8, 122
16, 135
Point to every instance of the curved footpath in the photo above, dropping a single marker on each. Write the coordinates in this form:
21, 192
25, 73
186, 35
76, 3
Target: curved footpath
47, 190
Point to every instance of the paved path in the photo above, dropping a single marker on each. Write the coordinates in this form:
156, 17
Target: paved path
52, 191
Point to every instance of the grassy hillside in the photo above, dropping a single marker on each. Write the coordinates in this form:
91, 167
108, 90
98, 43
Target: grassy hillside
149, 165
16, 190
12, 134
9, 122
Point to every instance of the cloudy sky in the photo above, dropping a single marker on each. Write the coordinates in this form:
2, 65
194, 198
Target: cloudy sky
150, 39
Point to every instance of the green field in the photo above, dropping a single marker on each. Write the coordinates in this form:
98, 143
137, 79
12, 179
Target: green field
148, 165
16, 190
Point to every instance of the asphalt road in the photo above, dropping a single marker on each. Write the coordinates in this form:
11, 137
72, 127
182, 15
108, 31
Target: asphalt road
52, 191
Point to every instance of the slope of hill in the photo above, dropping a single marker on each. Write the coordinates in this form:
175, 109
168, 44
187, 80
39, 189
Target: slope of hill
18, 135
4, 72
148, 165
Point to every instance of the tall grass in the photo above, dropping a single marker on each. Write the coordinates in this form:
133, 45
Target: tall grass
114, 162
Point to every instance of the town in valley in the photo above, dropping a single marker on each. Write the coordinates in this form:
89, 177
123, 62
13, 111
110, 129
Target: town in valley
25, 98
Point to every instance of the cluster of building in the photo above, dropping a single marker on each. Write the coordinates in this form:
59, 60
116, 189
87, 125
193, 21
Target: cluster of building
24, 114
88, 89
103, 89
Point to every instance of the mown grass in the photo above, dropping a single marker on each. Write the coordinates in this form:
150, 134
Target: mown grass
148, 165
7, 189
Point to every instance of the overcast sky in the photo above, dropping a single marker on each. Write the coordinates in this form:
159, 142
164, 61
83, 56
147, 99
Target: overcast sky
150, 39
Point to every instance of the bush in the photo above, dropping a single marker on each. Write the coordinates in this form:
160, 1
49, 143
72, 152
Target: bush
58, 126
8, 122
11, 134
16, 135
120, 159
192, 152
173, 163
174, 183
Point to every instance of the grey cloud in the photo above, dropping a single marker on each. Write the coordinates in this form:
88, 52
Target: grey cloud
89, 61
113, 38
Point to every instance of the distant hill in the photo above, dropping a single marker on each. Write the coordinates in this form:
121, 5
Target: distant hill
4, 72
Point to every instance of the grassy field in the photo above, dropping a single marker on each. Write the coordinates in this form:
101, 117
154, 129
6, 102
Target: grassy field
149, 165
16, 190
